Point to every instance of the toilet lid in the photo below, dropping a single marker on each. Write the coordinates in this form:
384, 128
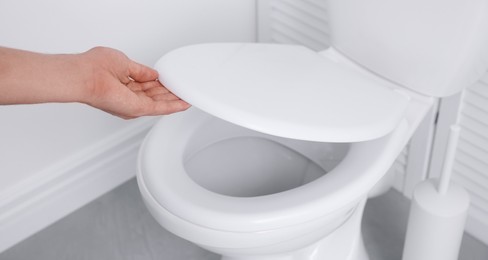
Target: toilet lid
283, 90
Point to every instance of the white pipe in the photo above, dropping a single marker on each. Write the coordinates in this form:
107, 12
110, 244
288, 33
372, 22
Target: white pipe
449, 160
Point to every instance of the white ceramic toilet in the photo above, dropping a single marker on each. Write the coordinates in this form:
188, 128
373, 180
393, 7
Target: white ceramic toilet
283, 144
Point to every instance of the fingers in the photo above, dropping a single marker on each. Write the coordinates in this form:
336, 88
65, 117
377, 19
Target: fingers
142, 86
151, 84
165, 97
157, 91
151, 88
155, 99
141, 73
165, 102
169, 106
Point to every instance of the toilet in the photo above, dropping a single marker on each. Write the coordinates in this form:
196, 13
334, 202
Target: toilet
277, 156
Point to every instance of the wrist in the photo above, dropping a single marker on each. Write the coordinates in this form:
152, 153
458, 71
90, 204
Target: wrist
80, 70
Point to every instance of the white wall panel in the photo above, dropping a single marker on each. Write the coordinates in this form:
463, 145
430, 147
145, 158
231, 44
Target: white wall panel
301, 22
471, 161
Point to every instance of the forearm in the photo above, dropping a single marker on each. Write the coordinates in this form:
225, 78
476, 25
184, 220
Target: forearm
27, 77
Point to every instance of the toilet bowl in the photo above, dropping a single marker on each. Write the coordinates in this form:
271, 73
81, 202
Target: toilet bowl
246, 195
277, 157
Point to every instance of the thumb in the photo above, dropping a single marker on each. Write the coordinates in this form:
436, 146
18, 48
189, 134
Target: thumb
141, 73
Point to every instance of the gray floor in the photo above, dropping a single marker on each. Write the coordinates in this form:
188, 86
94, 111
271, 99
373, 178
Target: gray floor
118, 226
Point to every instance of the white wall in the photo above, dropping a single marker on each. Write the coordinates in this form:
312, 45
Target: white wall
36, 140
34, 137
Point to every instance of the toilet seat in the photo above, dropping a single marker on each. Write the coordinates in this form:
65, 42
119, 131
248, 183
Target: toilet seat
283, 90
358, 109
170, 186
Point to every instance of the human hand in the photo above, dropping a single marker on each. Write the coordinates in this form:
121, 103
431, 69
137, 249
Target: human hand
122, 87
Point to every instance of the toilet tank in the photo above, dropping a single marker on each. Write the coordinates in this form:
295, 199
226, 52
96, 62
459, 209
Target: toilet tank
435, 47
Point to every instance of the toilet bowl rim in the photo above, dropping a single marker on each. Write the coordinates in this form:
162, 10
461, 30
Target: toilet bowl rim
258, 213
215, 238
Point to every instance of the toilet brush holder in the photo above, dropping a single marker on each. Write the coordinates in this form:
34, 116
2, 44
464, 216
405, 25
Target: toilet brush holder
437, 214
436, 222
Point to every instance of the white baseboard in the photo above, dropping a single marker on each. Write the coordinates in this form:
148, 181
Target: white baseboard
70, 184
